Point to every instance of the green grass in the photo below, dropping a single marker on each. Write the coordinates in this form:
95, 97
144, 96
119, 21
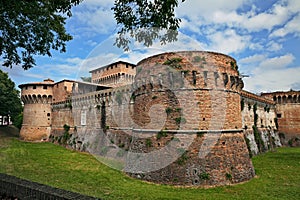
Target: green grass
278, 175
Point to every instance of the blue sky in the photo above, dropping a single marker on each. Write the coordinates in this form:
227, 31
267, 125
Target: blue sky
263, 36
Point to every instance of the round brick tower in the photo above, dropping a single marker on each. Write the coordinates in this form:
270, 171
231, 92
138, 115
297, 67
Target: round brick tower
187, 116
37, 98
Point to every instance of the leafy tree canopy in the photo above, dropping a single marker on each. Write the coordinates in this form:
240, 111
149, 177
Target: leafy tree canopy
146, 21
29, 28
10, 103
86, 79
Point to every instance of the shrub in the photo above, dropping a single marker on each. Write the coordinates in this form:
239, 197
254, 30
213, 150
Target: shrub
204, 176
169, 110
183, 158
228, 176
148, 142
180, 120
161, 134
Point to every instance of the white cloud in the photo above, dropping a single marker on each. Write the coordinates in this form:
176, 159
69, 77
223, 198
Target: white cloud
195, 8
277, 62
273, 80
225, 13
252, 59
292, 27
228, 41
272, 74
273, 46
74, 60
100, 21
93, 4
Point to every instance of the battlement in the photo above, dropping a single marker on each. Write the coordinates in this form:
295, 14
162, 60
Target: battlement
188, 70
115, 74
281, 97
255, 97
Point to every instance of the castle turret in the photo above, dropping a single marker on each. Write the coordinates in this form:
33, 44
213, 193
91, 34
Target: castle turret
192, 101
37, 99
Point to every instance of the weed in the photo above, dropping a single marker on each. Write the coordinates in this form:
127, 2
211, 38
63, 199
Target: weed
204, 176
148, 142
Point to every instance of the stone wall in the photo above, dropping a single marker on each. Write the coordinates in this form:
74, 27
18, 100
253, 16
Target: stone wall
287, 115
261, 133
264, 108
15, 188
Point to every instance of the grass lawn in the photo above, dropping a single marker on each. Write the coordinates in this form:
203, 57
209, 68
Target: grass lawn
278, 175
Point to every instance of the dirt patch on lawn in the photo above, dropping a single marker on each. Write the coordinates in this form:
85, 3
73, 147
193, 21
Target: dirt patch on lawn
9, 131
6, 133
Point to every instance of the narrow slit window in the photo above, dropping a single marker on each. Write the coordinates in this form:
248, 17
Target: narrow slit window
194, 77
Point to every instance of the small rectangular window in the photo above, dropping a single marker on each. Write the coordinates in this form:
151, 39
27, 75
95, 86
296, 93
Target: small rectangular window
45, 87
34, 87
278, 115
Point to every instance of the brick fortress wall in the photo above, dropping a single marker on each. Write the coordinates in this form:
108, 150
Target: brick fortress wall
193, 100
181, 114
183, 108
287, 115
258, 118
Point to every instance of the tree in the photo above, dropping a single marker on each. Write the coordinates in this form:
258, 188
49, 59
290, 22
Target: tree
36, 27
86, 79
146, 21
10, 103
30, 28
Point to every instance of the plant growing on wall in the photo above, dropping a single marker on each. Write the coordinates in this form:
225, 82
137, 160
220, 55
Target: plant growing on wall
66, 136
234, 65
119, 97
228, 176
169, 110
174, 63
179, 120
198, 59
255, 114
148, 142
184, 156
248, 146
204, 176
258, 140
161, 134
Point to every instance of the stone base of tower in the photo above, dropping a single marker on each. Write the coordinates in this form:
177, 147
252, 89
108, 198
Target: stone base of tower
226, 162
30, 133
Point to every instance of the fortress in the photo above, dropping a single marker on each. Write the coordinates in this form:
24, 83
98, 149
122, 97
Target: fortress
178, 118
